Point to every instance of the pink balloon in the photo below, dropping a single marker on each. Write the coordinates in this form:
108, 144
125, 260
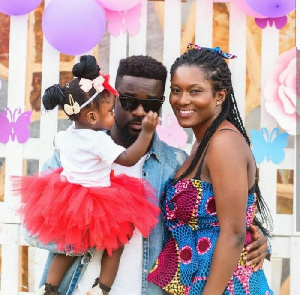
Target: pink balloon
73, 28
272, 8
18, 7
244, 7
118, 5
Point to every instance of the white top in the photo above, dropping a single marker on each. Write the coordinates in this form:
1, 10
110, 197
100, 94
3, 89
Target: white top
129, 277
86, 156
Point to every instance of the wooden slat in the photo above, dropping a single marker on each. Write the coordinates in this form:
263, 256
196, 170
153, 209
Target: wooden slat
37, 259
172, 34
204, 23
137, 43
276, 274
288, 161
281, 246
237, 46
16, 94
10, 259
294, 266
14, 150
267, 181
270, 45
283, 224
188, 34
269, 53
48, 123
118, 50
2, 150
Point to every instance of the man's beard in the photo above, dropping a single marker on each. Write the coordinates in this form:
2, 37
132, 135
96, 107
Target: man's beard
123, 132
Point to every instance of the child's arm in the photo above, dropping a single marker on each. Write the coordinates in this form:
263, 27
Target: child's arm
132, 155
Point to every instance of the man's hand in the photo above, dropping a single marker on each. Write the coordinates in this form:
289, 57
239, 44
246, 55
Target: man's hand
257, 250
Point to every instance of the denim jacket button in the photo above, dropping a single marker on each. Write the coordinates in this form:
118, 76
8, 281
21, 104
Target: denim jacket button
145, 271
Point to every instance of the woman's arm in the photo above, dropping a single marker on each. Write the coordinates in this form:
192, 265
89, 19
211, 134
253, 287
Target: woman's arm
227, 163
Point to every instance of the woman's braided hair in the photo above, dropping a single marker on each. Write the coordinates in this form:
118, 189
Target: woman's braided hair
216, 71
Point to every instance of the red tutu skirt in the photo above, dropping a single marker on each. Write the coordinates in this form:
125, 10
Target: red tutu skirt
77, 218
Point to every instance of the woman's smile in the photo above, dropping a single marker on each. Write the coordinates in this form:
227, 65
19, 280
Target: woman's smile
185, 113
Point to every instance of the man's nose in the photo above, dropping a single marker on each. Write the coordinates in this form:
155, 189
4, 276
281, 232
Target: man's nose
139, 111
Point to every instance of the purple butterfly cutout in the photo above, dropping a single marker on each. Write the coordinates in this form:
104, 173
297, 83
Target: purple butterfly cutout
279, 22
15, 127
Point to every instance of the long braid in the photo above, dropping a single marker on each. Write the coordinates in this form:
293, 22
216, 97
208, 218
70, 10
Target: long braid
217, 71
264, 214
235, 118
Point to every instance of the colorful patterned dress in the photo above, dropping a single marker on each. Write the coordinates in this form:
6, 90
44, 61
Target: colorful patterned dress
192, 230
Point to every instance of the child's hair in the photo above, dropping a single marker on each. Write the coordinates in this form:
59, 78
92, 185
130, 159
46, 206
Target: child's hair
56, 95
142, 66
216, 70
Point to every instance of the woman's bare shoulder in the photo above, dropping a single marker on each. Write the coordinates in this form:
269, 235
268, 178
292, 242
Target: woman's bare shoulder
228, 141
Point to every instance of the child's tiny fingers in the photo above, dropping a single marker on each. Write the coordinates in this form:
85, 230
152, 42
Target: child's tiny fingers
150, 113
157, 118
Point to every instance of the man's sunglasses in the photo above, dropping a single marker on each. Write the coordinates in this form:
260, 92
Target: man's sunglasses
130, 103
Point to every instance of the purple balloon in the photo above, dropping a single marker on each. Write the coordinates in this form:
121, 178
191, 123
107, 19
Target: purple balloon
272, 8
73, 27
18, 7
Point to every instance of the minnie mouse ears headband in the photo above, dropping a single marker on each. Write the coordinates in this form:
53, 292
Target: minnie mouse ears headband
99, 84
217, 50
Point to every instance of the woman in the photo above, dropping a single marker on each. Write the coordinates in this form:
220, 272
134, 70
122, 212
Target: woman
214, 198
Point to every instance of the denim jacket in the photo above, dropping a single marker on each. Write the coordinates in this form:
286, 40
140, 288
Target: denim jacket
160, 165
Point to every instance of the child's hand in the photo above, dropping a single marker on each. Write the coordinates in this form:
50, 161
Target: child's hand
150, 122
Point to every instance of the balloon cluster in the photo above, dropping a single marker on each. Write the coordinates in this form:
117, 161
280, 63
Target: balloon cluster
72, 27
266, 10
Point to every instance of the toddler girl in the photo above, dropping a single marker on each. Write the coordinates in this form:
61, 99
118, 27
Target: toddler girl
82, 204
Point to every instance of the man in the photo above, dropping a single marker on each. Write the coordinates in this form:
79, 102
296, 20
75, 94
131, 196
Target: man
141, 84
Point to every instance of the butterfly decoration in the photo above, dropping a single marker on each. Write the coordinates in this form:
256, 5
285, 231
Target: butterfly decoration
122, 21
171, 132
268, 145
279, 22
15, 127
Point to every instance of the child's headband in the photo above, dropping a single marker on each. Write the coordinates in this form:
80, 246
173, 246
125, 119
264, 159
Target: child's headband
216, 50
99, 84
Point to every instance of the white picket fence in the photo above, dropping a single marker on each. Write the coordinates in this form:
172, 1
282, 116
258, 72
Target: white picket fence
286, 241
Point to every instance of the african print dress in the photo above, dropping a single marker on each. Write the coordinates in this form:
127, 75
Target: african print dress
192, 230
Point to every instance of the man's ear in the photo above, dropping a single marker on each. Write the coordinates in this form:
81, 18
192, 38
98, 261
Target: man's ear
220, 97
91, 117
